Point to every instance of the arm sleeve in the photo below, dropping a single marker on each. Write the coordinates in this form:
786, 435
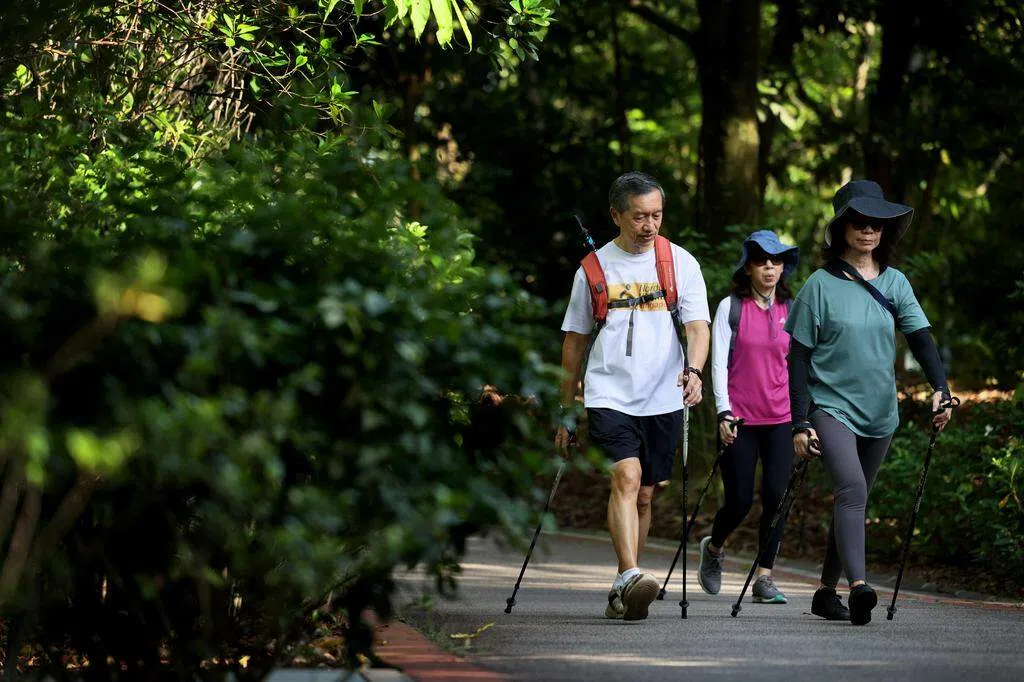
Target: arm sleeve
579, 314
693, 293
720, 336
922, 345
799, 370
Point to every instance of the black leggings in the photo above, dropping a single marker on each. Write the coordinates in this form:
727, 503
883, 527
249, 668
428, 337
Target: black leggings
774, 444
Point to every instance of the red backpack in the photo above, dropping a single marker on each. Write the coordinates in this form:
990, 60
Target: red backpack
666, 279
599, 286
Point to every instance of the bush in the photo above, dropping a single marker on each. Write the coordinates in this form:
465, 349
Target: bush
233, 394
973, 507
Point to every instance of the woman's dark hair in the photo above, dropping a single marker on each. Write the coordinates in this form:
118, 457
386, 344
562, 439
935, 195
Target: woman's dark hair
743, 287
884, 253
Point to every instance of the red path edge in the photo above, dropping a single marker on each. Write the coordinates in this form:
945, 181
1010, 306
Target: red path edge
423, 660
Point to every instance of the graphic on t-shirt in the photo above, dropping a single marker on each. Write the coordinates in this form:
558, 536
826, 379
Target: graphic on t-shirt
635, 290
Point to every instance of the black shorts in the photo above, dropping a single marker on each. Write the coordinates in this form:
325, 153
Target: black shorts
650, 439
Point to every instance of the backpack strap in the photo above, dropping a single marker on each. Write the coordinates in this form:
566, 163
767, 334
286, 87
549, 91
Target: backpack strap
667, 281
597, 285
839, 266
666, 270
735, 310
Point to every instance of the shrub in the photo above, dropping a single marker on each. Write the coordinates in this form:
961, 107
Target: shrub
234, 393
972, 512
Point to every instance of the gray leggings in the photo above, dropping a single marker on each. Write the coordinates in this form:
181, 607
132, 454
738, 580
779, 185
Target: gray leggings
852, 462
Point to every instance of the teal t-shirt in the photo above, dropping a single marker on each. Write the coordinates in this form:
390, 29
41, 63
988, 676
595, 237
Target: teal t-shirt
853, 346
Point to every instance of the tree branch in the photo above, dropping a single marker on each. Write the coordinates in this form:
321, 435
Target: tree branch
651, 16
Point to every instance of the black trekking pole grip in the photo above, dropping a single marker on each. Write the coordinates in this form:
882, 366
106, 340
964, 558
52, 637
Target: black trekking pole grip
588, 241
735, 424
950, 403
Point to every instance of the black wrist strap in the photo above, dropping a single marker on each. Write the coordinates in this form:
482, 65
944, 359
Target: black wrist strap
802, 427
694, 370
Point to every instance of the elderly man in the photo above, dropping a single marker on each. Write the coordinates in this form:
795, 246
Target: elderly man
631, 304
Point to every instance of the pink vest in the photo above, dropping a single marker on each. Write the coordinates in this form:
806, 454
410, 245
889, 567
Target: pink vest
759, 375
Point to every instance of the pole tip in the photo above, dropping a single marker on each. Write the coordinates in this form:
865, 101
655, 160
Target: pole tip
509, 603
735, 611
891, 612
661, 594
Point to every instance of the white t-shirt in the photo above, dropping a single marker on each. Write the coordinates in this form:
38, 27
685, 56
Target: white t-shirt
642, 383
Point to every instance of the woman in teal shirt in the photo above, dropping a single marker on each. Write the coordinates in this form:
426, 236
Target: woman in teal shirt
842, 374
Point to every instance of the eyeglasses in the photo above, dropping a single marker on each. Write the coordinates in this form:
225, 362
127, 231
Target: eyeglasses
760, 261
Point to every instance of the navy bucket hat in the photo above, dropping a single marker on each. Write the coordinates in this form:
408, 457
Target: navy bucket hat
865, 197
769, 242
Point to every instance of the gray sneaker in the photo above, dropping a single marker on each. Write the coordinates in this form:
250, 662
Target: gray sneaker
765, 591
709, 572
615, 609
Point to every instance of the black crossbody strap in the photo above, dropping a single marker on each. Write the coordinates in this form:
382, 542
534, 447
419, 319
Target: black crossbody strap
840, 266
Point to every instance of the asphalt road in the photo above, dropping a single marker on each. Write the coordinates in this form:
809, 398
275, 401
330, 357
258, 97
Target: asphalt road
557, 630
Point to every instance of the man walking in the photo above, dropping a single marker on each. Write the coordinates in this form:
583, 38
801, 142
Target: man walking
621, 335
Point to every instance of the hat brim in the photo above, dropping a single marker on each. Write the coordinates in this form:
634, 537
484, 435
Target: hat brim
872, 207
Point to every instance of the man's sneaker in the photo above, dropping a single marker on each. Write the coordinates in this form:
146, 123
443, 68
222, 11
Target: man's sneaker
827, 604
637, 594
765, 591
862, 599
615, 608
709, 572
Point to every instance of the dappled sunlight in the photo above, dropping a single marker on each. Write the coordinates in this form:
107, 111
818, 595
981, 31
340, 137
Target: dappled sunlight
664, 662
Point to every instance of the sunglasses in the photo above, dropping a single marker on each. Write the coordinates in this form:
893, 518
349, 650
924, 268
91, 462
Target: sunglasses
760, 260
859, 222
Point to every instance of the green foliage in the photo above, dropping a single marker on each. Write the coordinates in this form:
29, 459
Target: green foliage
973, 507
256, 372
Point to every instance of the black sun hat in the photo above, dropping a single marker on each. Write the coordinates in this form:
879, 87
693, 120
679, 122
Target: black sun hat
865, 197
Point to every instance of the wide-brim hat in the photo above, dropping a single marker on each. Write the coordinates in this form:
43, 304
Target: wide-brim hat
769, 242
866, 198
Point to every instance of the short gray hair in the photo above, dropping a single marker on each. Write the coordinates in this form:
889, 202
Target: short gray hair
632, 184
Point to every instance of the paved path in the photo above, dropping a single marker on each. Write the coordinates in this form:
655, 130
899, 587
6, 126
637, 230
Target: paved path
557, 630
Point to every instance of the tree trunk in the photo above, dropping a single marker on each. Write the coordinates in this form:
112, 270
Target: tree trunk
888, 104
728, 185
621, 121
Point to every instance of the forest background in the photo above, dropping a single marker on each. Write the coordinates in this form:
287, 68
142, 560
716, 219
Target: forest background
261, 258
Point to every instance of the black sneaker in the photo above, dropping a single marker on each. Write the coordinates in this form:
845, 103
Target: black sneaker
862, 599
827, 604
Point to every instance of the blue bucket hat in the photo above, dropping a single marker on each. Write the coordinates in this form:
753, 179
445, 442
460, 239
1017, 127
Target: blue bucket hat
866, 198
769, 242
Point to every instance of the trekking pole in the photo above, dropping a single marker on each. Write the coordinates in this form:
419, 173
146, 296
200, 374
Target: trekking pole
683, 604
734, 424
511, 601
796, 482
952, 403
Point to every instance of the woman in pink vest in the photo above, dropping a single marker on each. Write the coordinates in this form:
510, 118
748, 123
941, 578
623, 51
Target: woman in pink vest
751, 382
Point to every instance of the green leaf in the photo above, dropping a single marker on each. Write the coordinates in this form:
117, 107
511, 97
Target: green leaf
334, 3
420, 14
443, 17
358, 6
300, 60
462, 22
